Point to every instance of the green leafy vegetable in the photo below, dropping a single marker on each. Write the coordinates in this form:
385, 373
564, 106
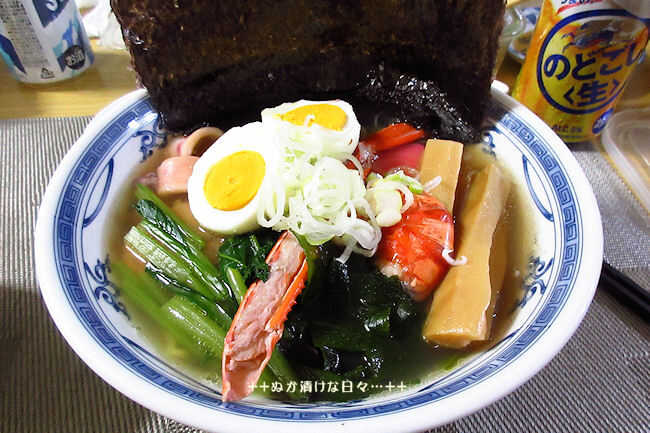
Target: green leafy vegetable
236, 283
154, 215
282, 369
133, 287
183, 292
195, 325
173, 248
196, 261
247, 254
186, 331
163, 259
144, 193
212, 309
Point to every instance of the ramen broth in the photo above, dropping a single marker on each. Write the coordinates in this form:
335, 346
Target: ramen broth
418, 360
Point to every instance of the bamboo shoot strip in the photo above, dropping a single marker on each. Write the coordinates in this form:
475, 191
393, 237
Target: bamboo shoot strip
442, 158
462, 303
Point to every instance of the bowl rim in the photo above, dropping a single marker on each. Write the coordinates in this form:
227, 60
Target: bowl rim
411, 419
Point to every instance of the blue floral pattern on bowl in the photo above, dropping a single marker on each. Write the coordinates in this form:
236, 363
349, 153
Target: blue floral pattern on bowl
83, 267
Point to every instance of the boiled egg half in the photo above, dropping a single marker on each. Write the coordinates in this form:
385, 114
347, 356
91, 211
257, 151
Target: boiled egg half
225, 185
321, 128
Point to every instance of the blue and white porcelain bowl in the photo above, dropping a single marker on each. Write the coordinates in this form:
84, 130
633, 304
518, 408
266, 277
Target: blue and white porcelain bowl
74, 274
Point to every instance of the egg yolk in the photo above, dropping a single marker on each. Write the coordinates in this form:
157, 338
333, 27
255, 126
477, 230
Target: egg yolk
326, 115
233, 181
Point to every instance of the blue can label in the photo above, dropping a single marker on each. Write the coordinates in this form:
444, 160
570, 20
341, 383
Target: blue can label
43, 40
49, 10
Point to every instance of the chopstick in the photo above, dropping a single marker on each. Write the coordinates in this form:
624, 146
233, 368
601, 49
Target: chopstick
625, 290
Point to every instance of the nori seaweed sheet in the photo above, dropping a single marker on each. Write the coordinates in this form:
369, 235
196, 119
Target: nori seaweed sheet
221, 62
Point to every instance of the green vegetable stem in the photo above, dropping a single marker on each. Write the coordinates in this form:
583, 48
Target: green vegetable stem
236, 283
183, 292
193, 238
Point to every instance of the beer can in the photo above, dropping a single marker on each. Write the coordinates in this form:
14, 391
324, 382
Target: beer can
43, 41
578, 63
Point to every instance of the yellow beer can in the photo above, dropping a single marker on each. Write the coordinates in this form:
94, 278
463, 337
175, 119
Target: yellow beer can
579, 60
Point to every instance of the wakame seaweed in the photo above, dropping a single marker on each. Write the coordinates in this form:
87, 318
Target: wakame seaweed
358, 326
356, 290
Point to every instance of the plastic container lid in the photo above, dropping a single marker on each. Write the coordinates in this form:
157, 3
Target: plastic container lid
625, 138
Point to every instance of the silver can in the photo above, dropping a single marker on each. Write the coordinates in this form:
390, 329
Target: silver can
43, 41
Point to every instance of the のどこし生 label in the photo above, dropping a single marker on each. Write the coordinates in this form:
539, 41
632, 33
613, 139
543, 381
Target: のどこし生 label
578, 64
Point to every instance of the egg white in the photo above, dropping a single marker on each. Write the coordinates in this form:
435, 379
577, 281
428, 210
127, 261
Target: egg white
314, 139
253, 137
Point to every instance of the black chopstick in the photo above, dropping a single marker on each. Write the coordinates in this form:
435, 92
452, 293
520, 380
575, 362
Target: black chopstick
625, 290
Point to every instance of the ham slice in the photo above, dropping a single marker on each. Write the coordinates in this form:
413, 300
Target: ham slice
173, 174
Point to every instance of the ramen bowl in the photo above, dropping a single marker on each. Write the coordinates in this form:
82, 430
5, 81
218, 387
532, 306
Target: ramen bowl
73, 269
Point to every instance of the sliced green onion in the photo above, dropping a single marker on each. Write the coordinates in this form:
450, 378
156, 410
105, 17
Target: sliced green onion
416, 187
319, 199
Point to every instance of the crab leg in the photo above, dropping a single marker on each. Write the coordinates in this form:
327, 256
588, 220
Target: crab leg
259, 322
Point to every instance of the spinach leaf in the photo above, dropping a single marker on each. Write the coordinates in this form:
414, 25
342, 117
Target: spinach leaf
152, 213
247, 254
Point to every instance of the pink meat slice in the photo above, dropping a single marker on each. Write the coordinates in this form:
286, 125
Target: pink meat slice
250, 340
173, 174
